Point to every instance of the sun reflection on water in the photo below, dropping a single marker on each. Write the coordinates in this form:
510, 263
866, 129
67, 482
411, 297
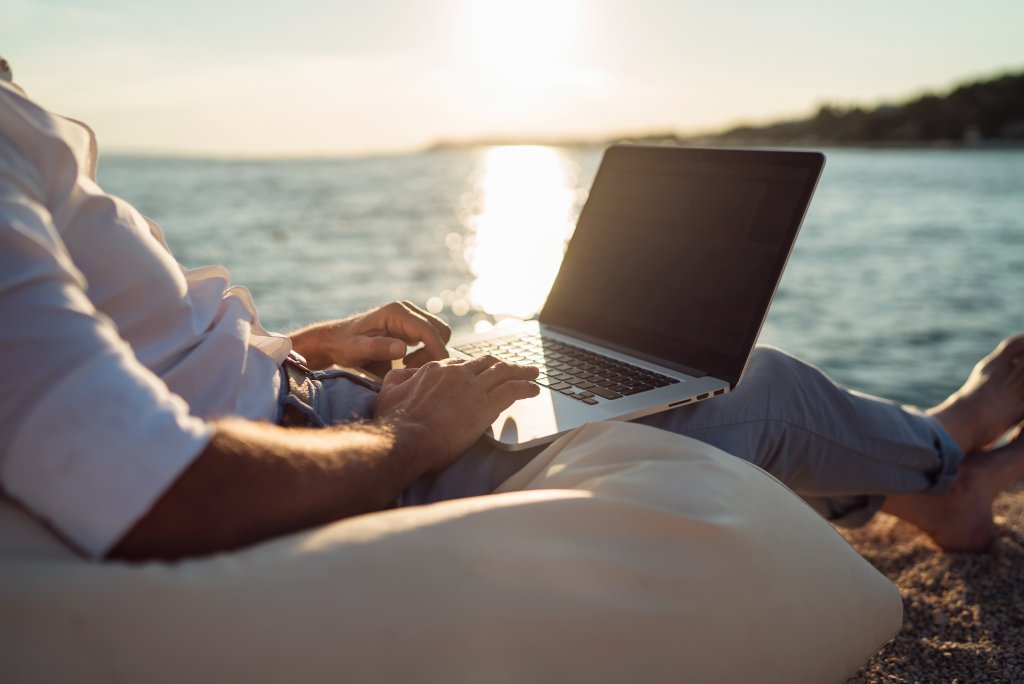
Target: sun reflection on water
527, 208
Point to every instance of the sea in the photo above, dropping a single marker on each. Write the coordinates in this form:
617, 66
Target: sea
908, 269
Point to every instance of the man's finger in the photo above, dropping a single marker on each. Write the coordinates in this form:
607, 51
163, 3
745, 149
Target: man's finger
501, 372
512, 391
479, 364
443, 329
413, 326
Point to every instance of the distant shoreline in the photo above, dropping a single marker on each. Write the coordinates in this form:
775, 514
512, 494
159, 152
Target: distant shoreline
712, 142
985, 114
939, 146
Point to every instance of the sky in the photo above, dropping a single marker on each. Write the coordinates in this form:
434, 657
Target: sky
346, 77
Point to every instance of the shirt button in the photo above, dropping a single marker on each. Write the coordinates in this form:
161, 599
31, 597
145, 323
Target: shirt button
5, 71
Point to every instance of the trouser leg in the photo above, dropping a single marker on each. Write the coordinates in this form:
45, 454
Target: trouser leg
477, 472
840, 450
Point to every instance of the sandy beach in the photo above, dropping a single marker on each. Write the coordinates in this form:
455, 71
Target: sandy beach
963, 613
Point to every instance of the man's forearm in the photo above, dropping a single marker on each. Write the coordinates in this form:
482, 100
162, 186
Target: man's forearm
255, 481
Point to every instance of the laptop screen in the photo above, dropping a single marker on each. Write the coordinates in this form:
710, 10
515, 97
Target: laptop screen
678, 251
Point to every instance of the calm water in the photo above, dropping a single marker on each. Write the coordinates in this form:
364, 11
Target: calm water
910, 265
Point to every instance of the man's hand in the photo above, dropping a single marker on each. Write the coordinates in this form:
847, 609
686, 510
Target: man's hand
440, 409
374, 339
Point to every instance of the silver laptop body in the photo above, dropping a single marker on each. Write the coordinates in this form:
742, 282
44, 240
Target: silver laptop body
663, 288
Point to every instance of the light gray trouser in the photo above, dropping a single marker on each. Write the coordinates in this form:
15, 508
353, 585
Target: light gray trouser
840, 450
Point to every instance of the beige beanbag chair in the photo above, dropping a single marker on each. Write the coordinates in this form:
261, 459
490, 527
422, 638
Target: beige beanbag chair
632, 555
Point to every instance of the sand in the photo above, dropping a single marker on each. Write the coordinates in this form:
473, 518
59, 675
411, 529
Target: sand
963, 612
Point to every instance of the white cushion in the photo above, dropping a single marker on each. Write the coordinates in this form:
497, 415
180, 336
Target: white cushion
634, 555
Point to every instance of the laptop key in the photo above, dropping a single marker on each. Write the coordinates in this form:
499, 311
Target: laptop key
605, 393
588, 400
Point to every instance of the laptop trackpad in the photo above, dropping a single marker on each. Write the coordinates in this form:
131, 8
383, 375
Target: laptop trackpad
537, 420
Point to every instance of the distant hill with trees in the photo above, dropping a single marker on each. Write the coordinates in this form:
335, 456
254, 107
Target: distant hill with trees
986, 113
989, 112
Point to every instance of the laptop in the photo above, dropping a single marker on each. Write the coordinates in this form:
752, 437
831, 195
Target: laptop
663, 288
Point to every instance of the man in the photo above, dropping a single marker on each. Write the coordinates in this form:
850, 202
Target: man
149, 414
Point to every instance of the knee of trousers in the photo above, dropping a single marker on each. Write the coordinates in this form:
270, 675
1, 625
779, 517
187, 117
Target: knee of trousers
783, 386
766, 359
771, 371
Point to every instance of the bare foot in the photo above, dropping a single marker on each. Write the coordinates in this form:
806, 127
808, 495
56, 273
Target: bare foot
991, 402
961, 519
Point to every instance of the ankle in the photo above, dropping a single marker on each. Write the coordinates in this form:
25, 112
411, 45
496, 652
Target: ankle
956, 423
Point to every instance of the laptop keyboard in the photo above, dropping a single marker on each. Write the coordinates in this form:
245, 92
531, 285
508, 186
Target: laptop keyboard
575, 372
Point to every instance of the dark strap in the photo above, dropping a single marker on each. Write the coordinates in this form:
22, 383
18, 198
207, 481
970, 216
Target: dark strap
298, 389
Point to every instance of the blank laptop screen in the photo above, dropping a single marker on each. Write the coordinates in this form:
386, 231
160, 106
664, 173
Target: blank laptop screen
678, 251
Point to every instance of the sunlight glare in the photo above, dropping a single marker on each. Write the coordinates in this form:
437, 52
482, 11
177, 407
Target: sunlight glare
520, 42
528, 200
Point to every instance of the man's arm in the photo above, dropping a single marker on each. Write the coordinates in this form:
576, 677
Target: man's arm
255, 481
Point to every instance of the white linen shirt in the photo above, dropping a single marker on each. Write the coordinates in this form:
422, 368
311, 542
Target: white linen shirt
113, 356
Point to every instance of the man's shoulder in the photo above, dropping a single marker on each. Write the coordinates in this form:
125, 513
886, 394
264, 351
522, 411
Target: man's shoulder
42, 154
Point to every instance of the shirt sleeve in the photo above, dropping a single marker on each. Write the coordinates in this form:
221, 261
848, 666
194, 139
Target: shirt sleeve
89, 437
